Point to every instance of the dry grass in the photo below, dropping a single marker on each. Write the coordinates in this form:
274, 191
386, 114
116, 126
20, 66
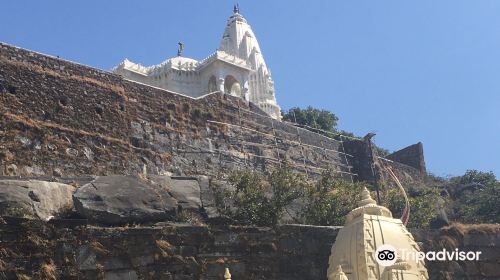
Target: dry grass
98, 248
37, 240
6, 156
100, 271
165, 128
21, 276
44, 124
37, 124
48, 271
166, 249
191, 218
3, 265
222, 260
448, 242
6, 253
476, 228
452, 236
118, 89
164, 245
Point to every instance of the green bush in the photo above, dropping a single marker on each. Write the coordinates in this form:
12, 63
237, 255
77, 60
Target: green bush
260, 199
315, 118
478, 198
330, 199
423, 204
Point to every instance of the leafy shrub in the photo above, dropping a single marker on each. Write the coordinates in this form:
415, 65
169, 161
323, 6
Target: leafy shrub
381, 151
260, 199
330, 199
423, 204
477, 198
207, 115
186, 107
315, 118
196, 114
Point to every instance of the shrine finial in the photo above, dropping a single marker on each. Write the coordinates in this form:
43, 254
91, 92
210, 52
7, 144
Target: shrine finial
227, 274
180, 49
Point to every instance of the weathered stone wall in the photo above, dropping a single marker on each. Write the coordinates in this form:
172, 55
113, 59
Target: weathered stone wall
164, 251
411, 156
475, 238
61, 118
181, 251
370, 167
362, 160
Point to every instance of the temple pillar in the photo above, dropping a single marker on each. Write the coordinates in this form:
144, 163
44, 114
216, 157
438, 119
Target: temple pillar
220, 84
245, 91
221, 77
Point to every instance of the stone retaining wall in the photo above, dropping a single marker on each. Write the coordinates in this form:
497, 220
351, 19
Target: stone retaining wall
62, 118
183, 251
163, 251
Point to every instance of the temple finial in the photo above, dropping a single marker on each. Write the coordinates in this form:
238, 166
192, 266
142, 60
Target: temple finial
180, 49
366, 198
227, 274
236, 9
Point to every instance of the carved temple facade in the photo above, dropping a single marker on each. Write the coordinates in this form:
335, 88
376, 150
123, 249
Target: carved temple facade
236, 68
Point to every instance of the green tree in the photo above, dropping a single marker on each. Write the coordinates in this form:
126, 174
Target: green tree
476, 177
381, 151
315, 118
478, 198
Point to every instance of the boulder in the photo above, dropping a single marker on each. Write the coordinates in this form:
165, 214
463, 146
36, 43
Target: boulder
34, 199
186, 190
208, 198
118, 199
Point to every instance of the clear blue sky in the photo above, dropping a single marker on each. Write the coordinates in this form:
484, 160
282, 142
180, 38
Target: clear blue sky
412, 71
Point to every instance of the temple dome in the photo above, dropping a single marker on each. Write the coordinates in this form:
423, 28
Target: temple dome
180, 63
367, 228
181, 60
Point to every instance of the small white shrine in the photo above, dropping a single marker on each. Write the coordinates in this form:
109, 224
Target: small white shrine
369, 227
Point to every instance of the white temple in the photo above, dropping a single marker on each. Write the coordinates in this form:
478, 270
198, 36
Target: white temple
236, 68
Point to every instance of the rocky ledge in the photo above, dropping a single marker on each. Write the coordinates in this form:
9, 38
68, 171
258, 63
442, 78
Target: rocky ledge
108, 200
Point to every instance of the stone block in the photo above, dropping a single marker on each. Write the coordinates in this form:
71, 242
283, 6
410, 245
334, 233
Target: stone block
34, 199
116, 200
121, 275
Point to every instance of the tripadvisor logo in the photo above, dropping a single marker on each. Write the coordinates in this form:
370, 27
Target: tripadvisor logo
386, 255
